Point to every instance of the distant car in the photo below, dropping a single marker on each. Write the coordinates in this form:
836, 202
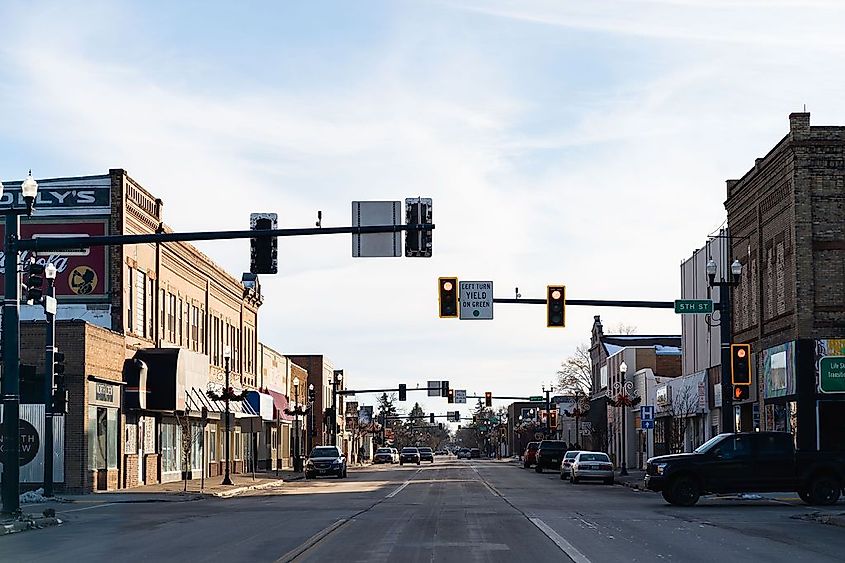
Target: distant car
409, 455
475, 453
592, 465
566, 464
529, 458
550, 455
463, 453
426, 454
383, 455
440, 452
325, 460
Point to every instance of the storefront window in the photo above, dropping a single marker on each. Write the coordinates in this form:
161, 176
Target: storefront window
238, 451
169, 447
196, 446
212, 443
102, 438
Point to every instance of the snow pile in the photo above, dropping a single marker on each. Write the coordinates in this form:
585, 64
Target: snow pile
33, 496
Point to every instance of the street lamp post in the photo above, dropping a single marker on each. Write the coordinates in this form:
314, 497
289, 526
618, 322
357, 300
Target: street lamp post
623, 399
309, 420
336, 380
10, 384
297, 459
227, 355
49, 363
725, 331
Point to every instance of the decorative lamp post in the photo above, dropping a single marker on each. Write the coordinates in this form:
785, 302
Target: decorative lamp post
623, 398
582, 407
725, 330
295, 412
10, 383
226, 395
337, 379
309, 420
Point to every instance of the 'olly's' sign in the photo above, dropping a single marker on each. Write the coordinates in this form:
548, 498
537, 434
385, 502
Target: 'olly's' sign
82, 196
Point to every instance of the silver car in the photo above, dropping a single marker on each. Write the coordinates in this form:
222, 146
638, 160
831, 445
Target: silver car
591, 465
566, 464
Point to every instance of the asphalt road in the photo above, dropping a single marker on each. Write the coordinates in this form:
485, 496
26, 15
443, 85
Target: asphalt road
448, 511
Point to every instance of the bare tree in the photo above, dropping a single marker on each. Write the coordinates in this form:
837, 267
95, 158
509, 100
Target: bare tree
622, 328
682, 406
576, 372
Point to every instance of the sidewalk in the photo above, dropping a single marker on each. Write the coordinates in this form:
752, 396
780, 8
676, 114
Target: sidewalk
633, 480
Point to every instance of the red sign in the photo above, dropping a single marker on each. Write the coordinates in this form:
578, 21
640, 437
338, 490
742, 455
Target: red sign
81, 273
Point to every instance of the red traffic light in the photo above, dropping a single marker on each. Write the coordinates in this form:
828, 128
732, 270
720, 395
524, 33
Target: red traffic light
741, 364
556, 306
448, 297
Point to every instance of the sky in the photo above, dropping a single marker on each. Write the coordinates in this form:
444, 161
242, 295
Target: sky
577, 143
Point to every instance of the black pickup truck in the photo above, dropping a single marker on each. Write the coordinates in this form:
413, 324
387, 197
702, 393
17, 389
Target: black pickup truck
747, 462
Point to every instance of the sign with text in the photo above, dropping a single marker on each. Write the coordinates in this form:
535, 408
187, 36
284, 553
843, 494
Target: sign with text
461, 396
832, 374
647, 412
89, 195
693, 306
476, 299
81, 274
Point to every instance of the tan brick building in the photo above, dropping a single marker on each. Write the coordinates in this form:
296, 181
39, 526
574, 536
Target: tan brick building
787, 225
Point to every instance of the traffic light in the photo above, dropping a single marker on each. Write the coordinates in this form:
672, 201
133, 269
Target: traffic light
403, 392
456, 416
444, 388
60, 393
263, 253
431, 418
741, 364
451, 397
418, 211
33, 282
553, 419
741, 392
448, 297
312, 394
440, 425
59, 364
556, 306
488, 399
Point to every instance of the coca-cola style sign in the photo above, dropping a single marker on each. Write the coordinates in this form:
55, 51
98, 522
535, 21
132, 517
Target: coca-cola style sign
81, 273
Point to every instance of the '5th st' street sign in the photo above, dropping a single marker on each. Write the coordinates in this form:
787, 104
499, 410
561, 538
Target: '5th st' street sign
694, 306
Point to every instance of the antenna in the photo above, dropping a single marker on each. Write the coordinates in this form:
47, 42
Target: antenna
319, 222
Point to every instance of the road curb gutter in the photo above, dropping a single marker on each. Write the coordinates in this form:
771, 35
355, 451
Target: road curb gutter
310, 542
240, 490
29, 523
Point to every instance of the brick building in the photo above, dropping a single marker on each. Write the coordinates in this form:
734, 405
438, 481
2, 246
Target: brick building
320, 373
168, 304
787, 225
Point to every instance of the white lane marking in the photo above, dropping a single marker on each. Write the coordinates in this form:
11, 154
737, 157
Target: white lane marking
403, 485
564, 545
88, 507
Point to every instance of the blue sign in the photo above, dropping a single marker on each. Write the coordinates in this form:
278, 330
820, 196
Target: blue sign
647, 424
647, 413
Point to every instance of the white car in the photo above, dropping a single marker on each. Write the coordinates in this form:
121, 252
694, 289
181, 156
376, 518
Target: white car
566, 464
591, 465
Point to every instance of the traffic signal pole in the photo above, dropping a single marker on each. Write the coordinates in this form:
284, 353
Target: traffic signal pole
728, 419
10, 389
49, 363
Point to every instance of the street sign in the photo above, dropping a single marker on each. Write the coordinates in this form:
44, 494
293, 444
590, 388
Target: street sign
647, 424
694, 306
50, 304
461, 396
375, 213
586, 428
433, 388
647, 413
832, 374
536, 399
476, 299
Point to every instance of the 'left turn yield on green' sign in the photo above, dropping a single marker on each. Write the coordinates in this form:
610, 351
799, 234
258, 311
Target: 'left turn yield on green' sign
476, 298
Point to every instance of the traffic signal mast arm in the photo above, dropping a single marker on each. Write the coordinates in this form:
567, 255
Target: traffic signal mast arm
50, 244
594, 303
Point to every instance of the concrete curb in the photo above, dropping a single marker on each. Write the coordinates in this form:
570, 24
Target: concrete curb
28, 522
829, 519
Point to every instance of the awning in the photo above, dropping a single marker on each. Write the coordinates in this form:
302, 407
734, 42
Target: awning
262, 403
196, 399
280, 403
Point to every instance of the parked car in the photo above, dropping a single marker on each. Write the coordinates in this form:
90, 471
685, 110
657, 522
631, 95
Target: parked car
383, 455
426, 454
463, 453
440, 452
591, 465
409, 455
550, 455
747, 462
566, 464
325, 460
475, 453
529, 458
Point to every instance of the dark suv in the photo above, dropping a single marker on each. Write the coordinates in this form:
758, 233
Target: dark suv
550, 455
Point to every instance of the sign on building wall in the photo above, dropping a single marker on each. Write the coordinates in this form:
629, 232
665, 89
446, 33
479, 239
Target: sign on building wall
81, 273
830, 359
89, 195
32, 445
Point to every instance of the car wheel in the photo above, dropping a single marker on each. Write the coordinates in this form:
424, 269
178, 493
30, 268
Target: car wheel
526, 465
562, 478
401, 463
538, 469
340, 474
573, 479
608, 481
684, 491
824, 490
